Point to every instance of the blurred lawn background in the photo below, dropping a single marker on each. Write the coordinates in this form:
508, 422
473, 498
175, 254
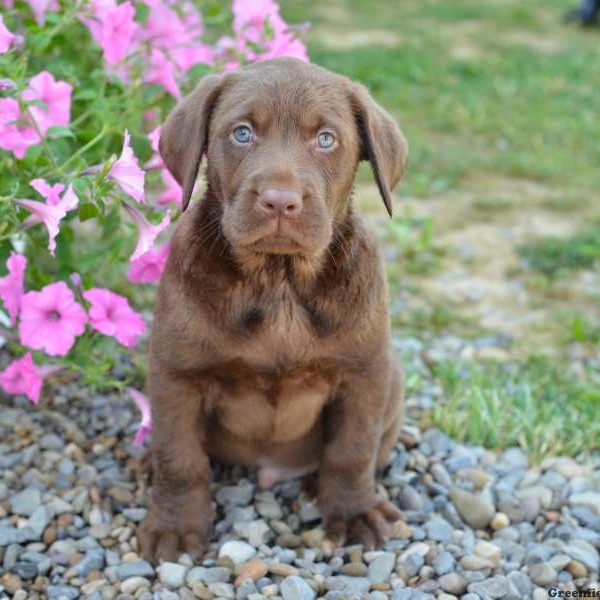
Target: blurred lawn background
497, 233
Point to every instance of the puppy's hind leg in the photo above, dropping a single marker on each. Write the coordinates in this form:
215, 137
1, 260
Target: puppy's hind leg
394, 418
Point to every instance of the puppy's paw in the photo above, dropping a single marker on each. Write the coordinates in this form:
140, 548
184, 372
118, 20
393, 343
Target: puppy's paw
166, 539
370, 528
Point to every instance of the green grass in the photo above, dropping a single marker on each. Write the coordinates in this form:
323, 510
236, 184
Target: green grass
492, 94
535, 404
513, 109
554, 256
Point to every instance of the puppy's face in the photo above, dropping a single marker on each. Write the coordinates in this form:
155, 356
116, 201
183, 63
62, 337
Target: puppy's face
283, 140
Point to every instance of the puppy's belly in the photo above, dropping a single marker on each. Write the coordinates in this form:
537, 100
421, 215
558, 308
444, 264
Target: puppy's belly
275, 412
275, 426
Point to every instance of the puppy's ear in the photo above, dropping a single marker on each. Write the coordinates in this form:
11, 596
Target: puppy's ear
183, 138
382, 142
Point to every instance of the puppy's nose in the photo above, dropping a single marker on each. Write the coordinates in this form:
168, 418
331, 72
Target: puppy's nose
280, 203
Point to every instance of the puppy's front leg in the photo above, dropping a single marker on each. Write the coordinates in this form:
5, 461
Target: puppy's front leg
180, 511
353, 427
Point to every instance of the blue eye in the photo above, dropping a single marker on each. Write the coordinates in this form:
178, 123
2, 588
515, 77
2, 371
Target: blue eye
325, 140
242, 134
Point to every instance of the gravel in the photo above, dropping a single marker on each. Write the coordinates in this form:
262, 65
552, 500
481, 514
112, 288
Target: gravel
477, 525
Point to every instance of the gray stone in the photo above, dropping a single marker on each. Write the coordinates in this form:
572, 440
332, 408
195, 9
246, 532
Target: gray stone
519, 584
443, 563
26, 501
92, 561
62, 551
381, 567
495, 587
137, 568
441, 475
12, 535
589, 499
453, 583
26, 570
172, 574
39, 520
134, 514
439, 530
51, 441
295, 588
410, 499
355, 585
308, 511
542, 574
584, 552
208, 575
258, 533
222, 590
475, 510
412, 564
235, 495
246, 590
11, 556
270, 510
238, 551
62, 592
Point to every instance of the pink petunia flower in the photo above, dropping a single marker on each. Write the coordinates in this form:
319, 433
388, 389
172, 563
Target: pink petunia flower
160, 72
154, 137
145, 427
11, 285
173, 193
147, 232
23, 376
51, 319
111, 314
150, 266
118, 28
6, 37
51, 193
56, 97
126, 172
113, 28
41, 7
155, 161
15, 136
50, 215
259, 23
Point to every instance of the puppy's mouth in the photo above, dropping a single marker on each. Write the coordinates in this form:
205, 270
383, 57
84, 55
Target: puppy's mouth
276, 236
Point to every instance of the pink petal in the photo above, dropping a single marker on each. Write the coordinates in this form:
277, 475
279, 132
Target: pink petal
51, 319
56, 98
51, 193
111, 314
126, 172
149, 267
11, 286
16, 138
6, 37
22, 376
147, 233
143, 404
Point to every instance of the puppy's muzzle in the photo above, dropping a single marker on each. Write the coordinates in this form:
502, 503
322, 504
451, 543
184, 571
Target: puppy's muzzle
276, 204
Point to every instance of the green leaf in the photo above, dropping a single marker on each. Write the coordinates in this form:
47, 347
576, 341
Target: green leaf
60, 132
88, 211
85, 95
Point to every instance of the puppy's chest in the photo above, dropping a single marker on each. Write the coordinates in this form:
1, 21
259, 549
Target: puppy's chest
281, 380
273, 328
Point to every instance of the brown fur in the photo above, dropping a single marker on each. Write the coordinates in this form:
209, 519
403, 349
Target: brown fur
271, 339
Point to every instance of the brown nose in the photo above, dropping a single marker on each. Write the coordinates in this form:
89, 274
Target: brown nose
280, 203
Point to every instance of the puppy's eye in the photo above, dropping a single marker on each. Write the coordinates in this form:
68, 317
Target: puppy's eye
325, 140
242, 134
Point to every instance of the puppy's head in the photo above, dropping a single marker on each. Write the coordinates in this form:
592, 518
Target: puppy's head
283, 139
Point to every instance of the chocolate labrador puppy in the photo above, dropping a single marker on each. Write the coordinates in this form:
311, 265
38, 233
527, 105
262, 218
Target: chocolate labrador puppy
271, 343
